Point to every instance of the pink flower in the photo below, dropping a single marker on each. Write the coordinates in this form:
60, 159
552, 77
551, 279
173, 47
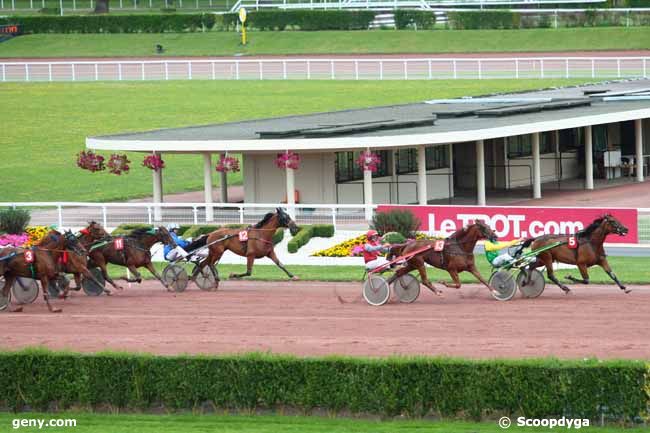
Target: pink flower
89, 160
288, 159
227, 163
154, 162
13, 240
118, 164
368, 161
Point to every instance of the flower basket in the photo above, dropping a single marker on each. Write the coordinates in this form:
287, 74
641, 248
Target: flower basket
227, 164
368, 161
89, 160
118, 164
153, 162
288, 159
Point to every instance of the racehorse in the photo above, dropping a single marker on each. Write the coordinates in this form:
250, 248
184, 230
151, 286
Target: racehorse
38, 262
253, 243
456, 256
131, 251
589, 251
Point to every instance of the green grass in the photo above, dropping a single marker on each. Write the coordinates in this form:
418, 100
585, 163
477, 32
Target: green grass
630, 270
105, 423
44, 125
332, 42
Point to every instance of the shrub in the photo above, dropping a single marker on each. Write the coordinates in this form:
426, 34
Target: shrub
303, 20
126, 229
394, 238
49, 11
493, 19
424, 20
396, 220
198, 230
308, 232
14, 221
168, 10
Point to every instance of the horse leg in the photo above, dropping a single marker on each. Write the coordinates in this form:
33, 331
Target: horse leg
422, 270
472, 269
605, 265
134, 271
548, 262
45, 285
249, 268
9, 282
583, 271
150, 267
454, 276
275, 259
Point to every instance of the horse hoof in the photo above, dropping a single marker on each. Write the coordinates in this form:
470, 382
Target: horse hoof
295, 278
626, 290
17, 310
56, 310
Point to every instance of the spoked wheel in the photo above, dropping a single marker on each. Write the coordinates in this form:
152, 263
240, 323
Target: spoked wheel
535, 287
57, 286
4, 300
504, 284
375, 290
92, 288
25, 290
175, 277
407, 288
205, 279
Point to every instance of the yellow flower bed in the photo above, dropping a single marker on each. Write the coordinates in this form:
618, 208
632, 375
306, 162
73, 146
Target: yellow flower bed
36, 233
344, 249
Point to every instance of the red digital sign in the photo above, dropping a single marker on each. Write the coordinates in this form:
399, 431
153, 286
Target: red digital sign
11, 29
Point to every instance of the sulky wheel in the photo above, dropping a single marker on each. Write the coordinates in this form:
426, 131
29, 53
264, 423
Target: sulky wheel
536, 285
175, 277
4, 300
56, 286
205, 279
375, 290
92, 288
25, 290
407, 288
504, 285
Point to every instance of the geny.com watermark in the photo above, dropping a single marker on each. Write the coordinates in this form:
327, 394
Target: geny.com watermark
522, 421
42, 423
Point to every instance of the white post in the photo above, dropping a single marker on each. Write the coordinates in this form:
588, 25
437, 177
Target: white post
422, 176
367, 193
450, 179
207, 186
157, 194
638, 141
537, 183
480, 173
291, 192
589, 167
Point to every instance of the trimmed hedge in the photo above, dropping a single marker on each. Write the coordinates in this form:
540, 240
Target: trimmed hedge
422, 20
493, 19
308, 232
42, 380
107, 23
198, 230
126, 229
303, 20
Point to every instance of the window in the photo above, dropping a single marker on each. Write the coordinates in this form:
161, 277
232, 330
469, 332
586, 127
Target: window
546, 144
571, 139
436, 157
519, 146
407, 161
599, 136
347, 169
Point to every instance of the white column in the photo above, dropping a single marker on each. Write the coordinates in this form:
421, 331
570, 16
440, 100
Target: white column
450, 179
422, 176
157, 194
589, 166
537, 178
367, 193
291, 194
223, 185
207, 186
480, 173
638, 141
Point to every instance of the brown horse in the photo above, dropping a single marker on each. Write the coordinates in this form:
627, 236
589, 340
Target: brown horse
133, 254
589, 251
457, 256
38, 262
258, 244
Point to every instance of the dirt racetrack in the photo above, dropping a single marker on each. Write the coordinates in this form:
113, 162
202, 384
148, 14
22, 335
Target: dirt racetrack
305, 318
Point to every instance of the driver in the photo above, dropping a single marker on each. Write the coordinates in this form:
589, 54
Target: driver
372, 250
492, 251
172, 254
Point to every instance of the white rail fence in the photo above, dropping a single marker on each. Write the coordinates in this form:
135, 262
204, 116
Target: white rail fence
328, 69
344, 217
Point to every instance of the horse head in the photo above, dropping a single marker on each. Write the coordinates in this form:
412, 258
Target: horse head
163, 235
71, 242
52, 240
612, 225
485, 232
95, 231
284, 220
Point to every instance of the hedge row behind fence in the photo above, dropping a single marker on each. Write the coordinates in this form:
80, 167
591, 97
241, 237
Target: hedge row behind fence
194, 231
303, 20
389, 387
307, 232
420, 20
113, 23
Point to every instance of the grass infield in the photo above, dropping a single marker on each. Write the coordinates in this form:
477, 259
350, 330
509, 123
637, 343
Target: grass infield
329, 42
44, 125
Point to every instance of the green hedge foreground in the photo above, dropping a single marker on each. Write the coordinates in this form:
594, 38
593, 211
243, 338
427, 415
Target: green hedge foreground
194, 231
307, 232
39, 379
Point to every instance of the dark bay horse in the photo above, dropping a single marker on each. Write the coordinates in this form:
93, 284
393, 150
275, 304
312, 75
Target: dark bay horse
589, 251
44, 258
457, 256
134, 253
258, 244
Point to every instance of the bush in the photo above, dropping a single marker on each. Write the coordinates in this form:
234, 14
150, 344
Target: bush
14, 221
423, 20
308, 232
198, 230
107, 23
386, 387
168, 10
493, 19
49, 11
303, 20
396, 220
394, 238
126, 229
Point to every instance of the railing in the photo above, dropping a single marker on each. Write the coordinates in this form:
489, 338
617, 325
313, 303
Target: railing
329, 69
